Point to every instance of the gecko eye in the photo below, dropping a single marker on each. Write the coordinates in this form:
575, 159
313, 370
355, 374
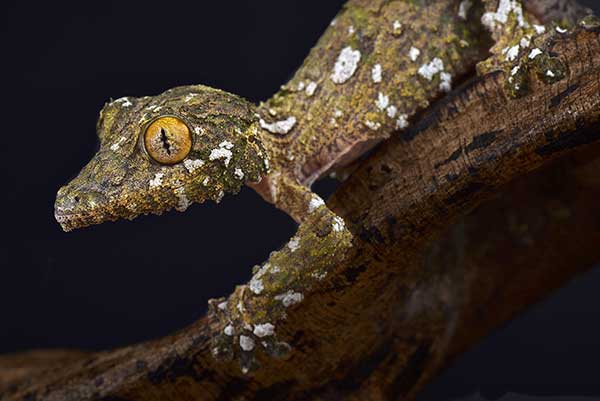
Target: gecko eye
168, 140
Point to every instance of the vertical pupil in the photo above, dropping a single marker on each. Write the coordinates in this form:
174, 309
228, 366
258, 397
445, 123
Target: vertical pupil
165, 140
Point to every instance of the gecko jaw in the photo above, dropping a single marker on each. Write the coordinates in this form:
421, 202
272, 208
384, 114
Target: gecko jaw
81, 208
71, 221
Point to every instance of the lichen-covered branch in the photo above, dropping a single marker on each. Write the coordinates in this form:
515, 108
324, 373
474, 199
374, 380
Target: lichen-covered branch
427, 273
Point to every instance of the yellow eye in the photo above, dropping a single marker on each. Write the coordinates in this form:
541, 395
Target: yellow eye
168, 140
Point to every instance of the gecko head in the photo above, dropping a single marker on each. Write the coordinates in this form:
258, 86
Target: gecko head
164, 152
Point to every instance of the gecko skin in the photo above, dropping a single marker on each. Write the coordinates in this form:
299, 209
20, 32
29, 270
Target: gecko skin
377, 64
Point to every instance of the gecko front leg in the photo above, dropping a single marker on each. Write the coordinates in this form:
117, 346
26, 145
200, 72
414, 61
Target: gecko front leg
298, 200
247, 321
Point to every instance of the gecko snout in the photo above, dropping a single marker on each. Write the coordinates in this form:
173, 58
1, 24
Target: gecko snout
72, 206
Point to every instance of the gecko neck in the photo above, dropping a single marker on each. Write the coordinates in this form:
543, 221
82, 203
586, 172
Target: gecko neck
369, 74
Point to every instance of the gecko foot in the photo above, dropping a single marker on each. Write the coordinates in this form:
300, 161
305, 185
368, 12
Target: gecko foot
247, 322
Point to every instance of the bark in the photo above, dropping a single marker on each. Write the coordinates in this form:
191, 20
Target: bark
482, 208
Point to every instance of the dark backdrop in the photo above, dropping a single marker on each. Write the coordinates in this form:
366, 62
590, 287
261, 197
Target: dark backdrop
124, 282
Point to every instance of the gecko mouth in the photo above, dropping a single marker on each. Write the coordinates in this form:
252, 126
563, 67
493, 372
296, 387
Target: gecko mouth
89, 208
83, 208
70, 221
84, 214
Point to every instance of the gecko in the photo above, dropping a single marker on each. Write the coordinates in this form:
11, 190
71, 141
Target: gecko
367, 76
378, 64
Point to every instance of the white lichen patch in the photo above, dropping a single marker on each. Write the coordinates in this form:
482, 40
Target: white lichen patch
539, 29
222, 152
428, 70
560, 30
513, 72
505, 7
222, 305
338, 224
396, 28
402, 121
206, 181
315, 202
525, 42
256, 285
189, 97
346, 65
534, 53
382, 101
293, 244
264, 330
154, 108
512, 53
182, 200
289, 298
198, 130
117, 145
238, 173
228, 330
279, 127
550, 74
319, 275
377, 73
193, 165
156, 181
311, 88
373, 125
338, 113
123, 102
351, 30
391, 111
414, 53
445, 82
463, 8
246, 343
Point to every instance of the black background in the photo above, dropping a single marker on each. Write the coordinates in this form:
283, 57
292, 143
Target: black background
119, 283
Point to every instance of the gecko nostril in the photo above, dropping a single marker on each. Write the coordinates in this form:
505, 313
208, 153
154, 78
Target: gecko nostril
76, 199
